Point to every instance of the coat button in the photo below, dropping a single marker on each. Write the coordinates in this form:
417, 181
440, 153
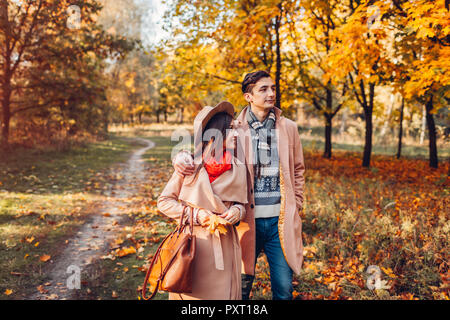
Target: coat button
252, 206
251, 190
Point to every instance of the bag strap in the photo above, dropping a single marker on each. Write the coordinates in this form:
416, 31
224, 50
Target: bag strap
191, 219
157, 255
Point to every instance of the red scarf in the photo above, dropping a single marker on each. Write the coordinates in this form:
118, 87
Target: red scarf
215, 169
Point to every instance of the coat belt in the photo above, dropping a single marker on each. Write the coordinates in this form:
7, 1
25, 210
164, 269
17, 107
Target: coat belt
217, 248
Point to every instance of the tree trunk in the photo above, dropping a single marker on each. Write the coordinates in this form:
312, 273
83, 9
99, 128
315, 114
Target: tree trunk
328, 118
105, 125
431, 134
400, 130
6, 90
368, 111
278, 62
6, 112
328, 130
5, 123
368, 141
448, 173
181, 119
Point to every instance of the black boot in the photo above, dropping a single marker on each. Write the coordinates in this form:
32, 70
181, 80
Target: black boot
247, 283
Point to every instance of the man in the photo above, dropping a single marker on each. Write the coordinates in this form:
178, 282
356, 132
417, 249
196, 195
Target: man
274, 157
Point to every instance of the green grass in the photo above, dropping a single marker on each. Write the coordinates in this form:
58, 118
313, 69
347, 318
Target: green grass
122, 277
408, 152
42, 172
48, 195
44, 197
119, 277
316, 144
162, 152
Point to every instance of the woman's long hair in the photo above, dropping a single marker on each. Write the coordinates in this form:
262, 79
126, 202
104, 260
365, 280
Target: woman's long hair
220, 123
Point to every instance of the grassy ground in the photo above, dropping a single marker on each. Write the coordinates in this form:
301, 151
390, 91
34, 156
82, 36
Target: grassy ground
408, 151
44, 198
120, 275
393, 215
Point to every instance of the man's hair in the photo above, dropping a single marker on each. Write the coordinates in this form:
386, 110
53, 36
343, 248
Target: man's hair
252, 78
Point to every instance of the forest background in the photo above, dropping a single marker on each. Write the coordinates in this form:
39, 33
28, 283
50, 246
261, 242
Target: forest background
366, 81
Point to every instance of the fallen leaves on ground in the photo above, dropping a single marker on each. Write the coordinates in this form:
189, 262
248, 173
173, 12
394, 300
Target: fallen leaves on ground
393, 215
45, 258
42, 290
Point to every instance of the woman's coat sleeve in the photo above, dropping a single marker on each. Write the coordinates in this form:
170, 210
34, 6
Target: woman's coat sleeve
168, 200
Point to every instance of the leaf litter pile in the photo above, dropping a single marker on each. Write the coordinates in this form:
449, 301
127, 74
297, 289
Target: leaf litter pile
393, 216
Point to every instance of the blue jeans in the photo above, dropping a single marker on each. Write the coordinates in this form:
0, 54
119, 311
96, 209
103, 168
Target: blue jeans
267, 239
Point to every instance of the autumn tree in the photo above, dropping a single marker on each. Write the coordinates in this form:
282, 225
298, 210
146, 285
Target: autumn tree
359, 54
423, 48
52, 55
242, 36
328, 53
310, 32
131, 93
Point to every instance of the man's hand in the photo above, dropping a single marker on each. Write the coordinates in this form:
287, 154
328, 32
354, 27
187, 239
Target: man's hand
232, 215
183, 163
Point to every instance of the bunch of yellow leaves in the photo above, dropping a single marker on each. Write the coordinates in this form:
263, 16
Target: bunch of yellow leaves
122, 252
217, 223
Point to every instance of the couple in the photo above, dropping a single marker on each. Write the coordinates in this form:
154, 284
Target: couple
259, 199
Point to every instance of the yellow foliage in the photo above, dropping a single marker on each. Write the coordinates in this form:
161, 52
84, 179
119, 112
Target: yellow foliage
217, 223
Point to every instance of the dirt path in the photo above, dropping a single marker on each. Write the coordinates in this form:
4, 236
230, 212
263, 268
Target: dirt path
92, 240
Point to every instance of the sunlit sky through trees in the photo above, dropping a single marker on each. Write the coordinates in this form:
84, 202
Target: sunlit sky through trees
153, 30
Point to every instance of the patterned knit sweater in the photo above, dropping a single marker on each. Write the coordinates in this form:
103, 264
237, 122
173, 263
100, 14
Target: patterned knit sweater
267, 186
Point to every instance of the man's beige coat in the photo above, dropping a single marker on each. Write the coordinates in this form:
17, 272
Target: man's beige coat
292, 179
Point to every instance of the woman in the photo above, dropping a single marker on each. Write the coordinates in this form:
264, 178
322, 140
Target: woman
217, 187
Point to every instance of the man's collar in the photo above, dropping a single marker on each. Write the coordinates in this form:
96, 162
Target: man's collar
242, 116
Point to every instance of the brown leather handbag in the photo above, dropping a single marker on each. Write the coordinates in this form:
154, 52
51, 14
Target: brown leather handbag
171, 267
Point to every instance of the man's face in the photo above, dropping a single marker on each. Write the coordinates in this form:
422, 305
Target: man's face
262, 95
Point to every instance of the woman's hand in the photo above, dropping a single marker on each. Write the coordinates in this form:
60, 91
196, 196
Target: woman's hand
203, 216
232, 215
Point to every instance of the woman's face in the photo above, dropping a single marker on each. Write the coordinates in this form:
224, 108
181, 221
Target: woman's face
228, 143
231, 138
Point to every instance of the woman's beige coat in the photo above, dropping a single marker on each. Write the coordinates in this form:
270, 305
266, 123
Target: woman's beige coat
217, 264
